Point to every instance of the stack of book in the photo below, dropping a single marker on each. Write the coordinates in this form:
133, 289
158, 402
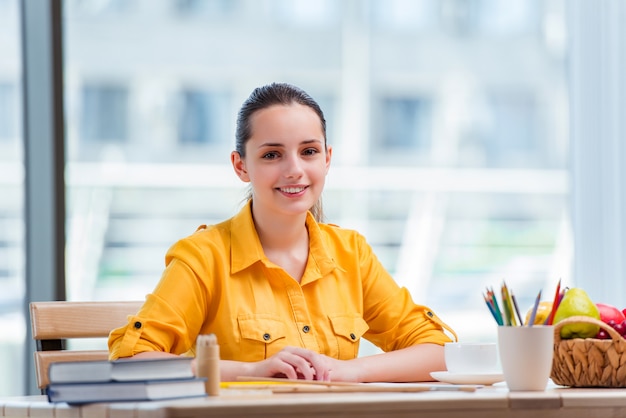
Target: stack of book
123, 380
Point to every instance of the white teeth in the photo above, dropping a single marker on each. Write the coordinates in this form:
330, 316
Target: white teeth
292, 189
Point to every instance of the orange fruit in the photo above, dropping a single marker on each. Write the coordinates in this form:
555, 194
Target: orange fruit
543, 310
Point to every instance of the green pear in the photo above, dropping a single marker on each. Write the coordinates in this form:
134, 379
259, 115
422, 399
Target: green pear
577, 302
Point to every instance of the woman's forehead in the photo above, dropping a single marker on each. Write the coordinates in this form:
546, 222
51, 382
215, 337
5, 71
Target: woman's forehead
286, 120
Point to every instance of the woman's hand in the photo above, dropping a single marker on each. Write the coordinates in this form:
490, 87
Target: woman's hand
290, 363
300, 363
294, 363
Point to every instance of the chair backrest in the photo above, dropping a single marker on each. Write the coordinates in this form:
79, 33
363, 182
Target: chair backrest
53, 323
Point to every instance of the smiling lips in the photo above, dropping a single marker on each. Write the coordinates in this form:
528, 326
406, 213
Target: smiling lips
292, 189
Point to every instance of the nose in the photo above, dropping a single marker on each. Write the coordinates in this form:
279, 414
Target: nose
293, 166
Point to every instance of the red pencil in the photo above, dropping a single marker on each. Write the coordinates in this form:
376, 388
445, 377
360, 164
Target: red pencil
555, 303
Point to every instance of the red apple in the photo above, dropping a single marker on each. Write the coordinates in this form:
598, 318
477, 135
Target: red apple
610, 313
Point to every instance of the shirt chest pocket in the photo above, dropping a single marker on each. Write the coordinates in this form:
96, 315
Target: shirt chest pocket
348, 330
261, 336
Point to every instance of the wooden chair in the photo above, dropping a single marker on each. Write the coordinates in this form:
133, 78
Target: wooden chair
53, 323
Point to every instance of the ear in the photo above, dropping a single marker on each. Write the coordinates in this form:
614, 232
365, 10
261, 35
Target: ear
329, 154
239, 165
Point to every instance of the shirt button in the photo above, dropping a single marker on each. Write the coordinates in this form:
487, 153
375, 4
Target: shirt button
266, 336
306, 328
352, 336
137, 325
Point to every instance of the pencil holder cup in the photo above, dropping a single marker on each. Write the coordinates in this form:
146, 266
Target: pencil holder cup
526, 356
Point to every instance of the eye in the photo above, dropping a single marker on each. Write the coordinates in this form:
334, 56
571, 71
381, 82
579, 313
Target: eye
310, 151
272, 155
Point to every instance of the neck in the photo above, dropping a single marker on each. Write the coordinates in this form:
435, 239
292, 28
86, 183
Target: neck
279, 232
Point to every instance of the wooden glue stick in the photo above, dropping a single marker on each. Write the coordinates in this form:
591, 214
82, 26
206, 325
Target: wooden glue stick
208, 362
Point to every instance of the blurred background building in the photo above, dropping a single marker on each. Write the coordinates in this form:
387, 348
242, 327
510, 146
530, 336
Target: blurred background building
449, 122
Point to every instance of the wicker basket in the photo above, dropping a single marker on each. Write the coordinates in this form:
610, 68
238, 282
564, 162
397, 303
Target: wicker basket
589, 362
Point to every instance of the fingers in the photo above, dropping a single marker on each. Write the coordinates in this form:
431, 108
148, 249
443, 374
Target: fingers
311, 365
296, 363
294, 366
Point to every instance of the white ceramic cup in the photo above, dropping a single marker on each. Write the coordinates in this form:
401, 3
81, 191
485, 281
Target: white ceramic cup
471, 358
526, 356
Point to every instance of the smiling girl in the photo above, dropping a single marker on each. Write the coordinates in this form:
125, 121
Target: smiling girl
286, 294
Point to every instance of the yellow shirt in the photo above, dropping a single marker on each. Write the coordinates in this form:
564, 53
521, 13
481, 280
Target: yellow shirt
219, 281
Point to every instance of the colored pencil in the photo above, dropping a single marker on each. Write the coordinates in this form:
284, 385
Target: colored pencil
509, 296
505, 305
492, 309
521, 320
494, 300
496, 308
533, 314
508, 306
555, 303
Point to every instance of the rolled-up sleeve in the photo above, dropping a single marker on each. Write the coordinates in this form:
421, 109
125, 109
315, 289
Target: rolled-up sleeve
173, 314
395, 320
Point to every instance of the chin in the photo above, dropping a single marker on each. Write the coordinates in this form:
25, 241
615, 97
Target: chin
298, 209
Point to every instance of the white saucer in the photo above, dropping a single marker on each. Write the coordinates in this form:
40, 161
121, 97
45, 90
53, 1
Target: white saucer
468, 379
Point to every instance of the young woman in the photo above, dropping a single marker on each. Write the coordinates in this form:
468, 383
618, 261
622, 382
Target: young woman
285, 294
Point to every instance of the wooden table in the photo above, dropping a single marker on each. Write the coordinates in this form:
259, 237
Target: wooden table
486, 402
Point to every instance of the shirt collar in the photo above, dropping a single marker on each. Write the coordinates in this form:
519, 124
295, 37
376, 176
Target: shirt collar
246, 247
320, 261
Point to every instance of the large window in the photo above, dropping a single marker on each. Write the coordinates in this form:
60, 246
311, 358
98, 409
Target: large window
449, 120
455, 153
203, 117
439, 112
104, 113
8, 111
405, 125
12, 320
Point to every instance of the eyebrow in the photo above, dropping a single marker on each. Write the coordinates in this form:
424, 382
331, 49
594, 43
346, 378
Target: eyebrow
278, 144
